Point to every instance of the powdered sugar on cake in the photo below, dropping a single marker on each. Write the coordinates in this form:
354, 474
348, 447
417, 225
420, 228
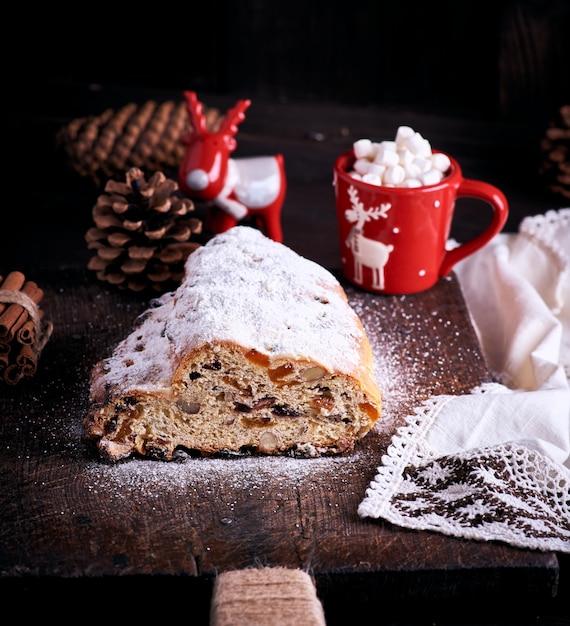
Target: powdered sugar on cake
241, 295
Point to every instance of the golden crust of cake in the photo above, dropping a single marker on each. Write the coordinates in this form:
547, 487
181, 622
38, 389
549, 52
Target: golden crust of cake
257, 351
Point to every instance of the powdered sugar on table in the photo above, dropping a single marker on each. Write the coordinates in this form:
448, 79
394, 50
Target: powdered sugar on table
410, 365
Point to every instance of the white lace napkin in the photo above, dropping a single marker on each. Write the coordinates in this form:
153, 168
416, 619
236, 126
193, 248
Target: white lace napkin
495, 464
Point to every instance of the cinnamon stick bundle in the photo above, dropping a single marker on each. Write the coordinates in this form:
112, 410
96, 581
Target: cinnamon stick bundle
23, 330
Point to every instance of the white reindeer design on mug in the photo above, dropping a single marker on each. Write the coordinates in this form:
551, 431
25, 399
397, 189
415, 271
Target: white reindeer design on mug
366, 252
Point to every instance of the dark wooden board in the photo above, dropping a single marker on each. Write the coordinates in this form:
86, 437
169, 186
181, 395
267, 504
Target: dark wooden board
67, 515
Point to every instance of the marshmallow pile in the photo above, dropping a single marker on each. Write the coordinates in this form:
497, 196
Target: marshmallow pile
407, 161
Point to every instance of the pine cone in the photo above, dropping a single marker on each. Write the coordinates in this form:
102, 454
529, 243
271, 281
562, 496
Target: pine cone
142, 233
555, 168
147, 136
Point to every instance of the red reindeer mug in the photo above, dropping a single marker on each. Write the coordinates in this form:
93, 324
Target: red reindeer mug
393, 239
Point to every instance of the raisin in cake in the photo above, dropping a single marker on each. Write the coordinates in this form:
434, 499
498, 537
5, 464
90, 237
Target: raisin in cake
257, 351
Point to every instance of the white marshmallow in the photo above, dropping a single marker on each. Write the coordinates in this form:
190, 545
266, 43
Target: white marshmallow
394, 175
362, 166
425, 148
424, 165
431, 177
387, 154
403, 133
388, 144
372, 179
440, 161
362, 148
418, 145
405, 156
412, 170
377, 168
374, 150
411, 182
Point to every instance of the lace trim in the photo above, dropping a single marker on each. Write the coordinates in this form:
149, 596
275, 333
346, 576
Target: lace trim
504, 493
543, 231
544, 228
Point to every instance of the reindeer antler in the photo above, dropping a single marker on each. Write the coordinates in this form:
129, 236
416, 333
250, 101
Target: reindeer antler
197, 119
233, 117
357, 210
361, 215
378, 211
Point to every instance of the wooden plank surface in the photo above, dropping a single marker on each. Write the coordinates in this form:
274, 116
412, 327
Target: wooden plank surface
66, 514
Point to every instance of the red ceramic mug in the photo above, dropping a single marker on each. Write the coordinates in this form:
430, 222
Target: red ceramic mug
393, 239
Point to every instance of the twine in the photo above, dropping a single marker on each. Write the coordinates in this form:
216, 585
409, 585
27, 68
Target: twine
42, 332
274, 596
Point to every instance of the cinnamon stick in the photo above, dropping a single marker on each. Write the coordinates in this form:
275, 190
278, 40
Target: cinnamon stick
26, 359
13, 323
15, 314
13, 282
12, 374
27, 333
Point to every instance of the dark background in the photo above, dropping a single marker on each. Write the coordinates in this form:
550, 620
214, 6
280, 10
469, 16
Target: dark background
481, 80
502, 57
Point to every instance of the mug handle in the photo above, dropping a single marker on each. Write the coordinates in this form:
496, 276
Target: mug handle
493, 196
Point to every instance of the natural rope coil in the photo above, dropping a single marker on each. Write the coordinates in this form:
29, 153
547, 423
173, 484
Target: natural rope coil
275, 596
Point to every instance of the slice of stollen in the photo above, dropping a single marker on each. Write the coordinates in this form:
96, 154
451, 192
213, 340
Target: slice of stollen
257, 351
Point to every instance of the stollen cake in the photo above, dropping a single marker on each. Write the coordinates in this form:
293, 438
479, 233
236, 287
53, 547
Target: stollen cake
256, 352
